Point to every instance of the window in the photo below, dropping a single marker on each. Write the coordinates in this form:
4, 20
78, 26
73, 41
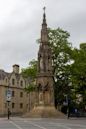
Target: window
21, 83
13, 93
21, 105
13, 105
13, 81
21, 94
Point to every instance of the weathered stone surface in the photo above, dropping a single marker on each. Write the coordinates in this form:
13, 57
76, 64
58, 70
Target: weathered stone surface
14, 81
44, 112
44, 104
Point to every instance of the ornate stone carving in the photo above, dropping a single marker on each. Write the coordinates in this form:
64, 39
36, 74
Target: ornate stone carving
44, 76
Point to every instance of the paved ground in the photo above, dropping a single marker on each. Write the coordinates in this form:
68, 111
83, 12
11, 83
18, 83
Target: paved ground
23, 123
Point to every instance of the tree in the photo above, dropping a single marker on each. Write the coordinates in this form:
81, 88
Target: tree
79, 72
83, 46
61, 54
30, 88
31, 70
30, 74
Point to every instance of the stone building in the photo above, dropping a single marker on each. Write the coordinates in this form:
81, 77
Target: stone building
20, 101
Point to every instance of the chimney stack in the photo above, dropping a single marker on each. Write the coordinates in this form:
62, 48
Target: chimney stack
16, 68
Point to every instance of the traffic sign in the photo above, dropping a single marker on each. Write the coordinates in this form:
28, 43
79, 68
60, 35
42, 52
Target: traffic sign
8, 94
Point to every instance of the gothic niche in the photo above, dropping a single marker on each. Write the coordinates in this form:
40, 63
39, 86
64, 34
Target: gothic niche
40, 93
43, 93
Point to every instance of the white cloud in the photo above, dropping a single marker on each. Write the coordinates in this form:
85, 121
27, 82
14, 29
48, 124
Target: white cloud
20, 25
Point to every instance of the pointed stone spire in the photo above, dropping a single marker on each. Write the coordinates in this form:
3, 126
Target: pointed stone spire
44, 33
44, 16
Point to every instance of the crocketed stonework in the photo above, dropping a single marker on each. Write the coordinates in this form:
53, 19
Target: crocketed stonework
44, 90
44, 100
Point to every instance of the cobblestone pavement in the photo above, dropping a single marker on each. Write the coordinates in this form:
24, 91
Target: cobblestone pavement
27, 123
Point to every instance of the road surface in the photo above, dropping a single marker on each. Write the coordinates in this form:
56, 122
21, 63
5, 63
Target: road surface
27, 123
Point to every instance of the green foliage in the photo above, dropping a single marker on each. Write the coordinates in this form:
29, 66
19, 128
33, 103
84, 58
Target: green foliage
79, 72
31, 70
83, 46
30, 88
62, 51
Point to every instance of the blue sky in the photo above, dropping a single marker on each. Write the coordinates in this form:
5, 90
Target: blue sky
20, 25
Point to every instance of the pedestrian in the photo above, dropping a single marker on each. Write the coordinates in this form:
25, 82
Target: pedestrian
76, 112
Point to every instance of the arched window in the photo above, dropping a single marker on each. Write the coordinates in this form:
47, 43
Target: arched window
21, 94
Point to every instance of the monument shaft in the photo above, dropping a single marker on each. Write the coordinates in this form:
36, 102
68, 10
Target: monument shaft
44, 105
44, 89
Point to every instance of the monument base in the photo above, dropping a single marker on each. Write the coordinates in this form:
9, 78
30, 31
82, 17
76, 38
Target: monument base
44, 112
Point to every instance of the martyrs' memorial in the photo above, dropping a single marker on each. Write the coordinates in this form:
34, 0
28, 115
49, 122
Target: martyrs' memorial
44, 99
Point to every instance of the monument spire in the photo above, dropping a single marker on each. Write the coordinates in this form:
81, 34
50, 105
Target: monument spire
44, 79
44, 16
44, 95
44, 33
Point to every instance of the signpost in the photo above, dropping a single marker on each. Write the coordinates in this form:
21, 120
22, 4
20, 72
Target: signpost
8, 99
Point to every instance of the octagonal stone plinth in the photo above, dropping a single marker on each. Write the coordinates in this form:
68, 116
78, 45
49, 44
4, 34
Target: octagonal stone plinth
44, 112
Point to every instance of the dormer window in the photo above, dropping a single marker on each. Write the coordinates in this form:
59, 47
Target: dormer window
13, 81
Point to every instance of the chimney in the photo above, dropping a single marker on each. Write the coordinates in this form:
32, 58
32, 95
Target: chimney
16, 68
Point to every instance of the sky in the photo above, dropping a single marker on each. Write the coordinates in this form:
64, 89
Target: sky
20, 26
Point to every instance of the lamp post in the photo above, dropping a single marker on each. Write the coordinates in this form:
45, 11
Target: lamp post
8, 110
8, 99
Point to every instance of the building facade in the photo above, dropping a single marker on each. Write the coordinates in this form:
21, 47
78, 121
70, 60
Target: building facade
20, 101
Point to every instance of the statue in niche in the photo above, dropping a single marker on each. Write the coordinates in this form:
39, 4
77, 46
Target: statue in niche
40, 92
41, 97
41, 64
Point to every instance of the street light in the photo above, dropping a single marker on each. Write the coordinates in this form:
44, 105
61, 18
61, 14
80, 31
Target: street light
8, 99
8, 110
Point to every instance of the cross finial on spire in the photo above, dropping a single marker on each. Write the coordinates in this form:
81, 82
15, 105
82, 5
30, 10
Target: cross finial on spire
44, 9
44, 16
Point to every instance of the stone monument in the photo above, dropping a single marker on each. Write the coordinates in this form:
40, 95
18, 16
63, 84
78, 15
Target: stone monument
44, 104
44, 81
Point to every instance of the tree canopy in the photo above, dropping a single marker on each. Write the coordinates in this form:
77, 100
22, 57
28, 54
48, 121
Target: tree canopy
69, 66
79, 71
31, 70
62, 50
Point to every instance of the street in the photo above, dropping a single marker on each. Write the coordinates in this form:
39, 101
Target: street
29, 123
